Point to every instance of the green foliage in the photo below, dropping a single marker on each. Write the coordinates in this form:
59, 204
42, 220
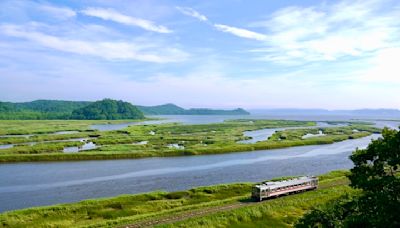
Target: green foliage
53, 109
39, 109
7, 107
375, 173
107, 109
29, 115
328, 215
52, 105
166, 109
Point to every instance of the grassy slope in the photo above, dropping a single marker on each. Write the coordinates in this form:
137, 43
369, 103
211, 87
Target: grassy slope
280, 212
129, 209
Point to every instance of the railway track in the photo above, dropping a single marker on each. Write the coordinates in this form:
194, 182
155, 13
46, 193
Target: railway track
206, 211
185, 215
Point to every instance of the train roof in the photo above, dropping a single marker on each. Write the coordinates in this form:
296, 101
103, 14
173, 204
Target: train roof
278, 184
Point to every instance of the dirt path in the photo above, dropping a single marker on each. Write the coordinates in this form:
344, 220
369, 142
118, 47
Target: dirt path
205, 211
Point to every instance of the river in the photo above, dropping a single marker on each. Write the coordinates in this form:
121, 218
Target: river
25, 185
45, 183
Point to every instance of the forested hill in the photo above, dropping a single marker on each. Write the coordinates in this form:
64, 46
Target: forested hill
107, 109
172, 109
53, 109
43, 106
40, 109
166, 109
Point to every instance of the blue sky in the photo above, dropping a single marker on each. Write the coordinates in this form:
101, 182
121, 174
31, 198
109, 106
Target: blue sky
251, 54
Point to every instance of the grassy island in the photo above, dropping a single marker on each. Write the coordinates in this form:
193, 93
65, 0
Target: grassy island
44, 140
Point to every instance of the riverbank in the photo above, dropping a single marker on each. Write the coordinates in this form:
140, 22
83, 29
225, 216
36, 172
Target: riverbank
163, 140
140, 208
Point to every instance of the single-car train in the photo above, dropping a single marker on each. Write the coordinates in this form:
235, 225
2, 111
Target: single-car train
278, 188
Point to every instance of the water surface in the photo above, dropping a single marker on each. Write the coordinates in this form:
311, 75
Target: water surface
45, 183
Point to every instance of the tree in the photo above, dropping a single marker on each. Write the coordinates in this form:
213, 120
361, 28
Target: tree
107, 109
375, 173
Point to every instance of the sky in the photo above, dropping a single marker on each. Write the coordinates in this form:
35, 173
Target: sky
217, 54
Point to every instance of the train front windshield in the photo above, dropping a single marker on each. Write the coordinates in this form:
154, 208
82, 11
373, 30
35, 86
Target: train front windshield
255, 192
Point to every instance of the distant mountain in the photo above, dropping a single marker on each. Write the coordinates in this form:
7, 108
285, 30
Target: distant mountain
172, 109
59, 109
395, 113
107, 109
166, 109
205, 111
380, 112
290, 111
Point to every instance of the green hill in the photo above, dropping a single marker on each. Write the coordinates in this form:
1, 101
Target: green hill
172, 109
59, 109
166, 109
40, 109
107, 109
52, 105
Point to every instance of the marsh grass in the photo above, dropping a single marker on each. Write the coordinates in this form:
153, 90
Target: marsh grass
280, 212
125, 209
195, 139
138, 206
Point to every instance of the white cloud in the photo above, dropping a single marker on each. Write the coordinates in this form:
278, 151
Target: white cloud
329, 32
59, 12
240, 32
385, 68
95, 82
104, 49
191, 12
206, 85
244, 33
112, 15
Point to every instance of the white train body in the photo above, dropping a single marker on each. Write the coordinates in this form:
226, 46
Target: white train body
286, 187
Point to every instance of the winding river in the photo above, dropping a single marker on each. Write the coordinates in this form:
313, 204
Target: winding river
25, 185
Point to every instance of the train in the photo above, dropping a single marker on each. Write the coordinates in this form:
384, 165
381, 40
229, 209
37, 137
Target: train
279, 188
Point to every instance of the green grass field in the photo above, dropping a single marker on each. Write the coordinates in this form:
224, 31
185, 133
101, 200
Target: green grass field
128, 209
